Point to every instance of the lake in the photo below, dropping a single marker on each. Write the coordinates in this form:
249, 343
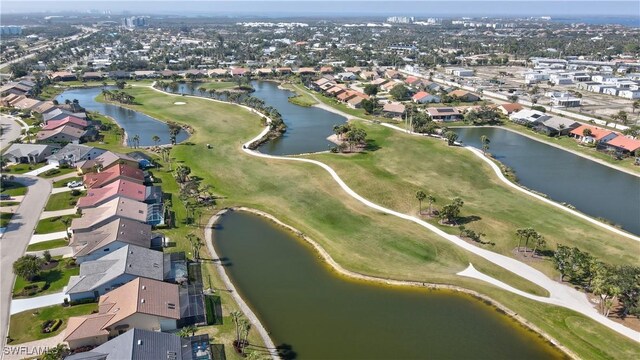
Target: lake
133, 122
320, 315
594, 189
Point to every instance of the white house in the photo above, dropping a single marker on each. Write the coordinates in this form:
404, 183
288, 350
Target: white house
528, 117
629, 94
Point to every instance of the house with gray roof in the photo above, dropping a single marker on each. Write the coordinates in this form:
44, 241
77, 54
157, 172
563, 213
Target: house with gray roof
74, 153
556, 126
138, 344
58, 114
97, 277
30, 153
105, 239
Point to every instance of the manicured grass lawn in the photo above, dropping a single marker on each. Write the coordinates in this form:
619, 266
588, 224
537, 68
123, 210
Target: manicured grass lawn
26, 326
357, 237
54, 279
9, 203
63, 182
449, 172
50, 92
22, 168
5, 218
13, 188
56, 172
53, 224
47, 245
218, 85
302, 98
63, 200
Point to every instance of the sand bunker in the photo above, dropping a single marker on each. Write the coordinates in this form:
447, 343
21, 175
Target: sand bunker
179, 103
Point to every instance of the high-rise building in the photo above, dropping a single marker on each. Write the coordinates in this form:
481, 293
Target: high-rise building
400, 19
10, 30
135, 22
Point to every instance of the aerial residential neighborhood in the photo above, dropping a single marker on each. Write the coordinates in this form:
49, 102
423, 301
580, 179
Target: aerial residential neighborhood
282, 180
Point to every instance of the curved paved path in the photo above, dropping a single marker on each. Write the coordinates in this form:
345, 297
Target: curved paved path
16, 238
560, 294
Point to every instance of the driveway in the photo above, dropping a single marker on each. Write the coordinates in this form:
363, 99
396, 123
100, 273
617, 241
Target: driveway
64, 251
46, 237
15, 239
20, 305
32, 348
39, 171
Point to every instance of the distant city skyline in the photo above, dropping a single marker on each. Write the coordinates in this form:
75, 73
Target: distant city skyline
565, 8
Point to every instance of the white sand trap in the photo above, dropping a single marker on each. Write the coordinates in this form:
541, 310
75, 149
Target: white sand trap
179, 103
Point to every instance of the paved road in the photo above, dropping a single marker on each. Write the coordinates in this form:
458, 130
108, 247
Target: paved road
15, 240
10, 131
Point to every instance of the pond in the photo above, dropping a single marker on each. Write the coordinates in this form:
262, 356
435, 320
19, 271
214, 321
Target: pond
320, 315
307, 127
133, 122
594, 189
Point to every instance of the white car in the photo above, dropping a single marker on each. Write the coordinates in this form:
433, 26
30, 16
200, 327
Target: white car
74, 184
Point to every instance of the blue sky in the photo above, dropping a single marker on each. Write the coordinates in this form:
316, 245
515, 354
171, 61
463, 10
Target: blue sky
423, 8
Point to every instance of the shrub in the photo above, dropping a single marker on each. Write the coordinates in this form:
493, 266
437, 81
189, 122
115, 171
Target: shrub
56, 325
51, 172
75, 192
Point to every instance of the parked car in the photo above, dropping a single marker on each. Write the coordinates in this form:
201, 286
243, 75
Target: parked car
5, 197
74, 184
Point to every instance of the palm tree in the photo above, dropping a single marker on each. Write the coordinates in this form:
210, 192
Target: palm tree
431, 199
135, 140
539, 242
420, 195
156, 139
485, 144
636, 105
236, 317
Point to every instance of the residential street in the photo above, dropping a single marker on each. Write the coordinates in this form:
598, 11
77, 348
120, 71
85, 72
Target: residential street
15, 240
11, 131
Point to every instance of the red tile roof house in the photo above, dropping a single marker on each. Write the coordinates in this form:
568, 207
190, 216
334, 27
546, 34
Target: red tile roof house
423, 97
355, 102
413, 81
444, 114
597, 134
69, 120
306, 71
113, 173
124, 188
142, 303
464, 95
510, 108
394, 109
105, 161
623, 145
326, 69
240, 71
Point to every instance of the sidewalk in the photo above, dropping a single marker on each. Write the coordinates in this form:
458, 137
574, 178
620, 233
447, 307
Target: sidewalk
50, 214
20, 305
38, 238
